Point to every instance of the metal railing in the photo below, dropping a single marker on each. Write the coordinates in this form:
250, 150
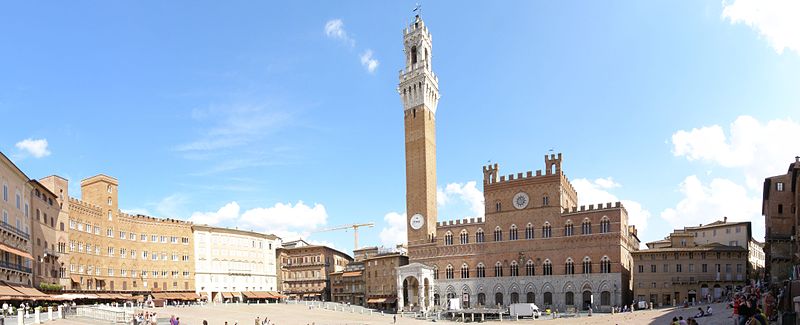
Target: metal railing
14, 230
14, 266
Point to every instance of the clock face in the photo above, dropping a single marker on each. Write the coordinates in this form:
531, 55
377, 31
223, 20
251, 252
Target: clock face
521, 200
417, 221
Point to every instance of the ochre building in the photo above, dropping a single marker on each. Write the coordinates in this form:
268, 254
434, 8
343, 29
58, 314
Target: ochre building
113, 251
49, 238
15, 234
782, 219
303, 269
535, 244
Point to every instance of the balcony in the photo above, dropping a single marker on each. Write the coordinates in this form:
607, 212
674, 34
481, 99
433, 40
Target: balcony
11, 229
15, 267
52, 252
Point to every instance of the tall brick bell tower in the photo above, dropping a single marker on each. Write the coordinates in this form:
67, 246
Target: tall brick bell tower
419, 91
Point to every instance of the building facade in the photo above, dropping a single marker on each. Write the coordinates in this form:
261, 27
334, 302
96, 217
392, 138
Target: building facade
779, 207
114, 251
15, 236
233, 261
721, 232
380, 279
677, 274
347, 286
304, 270
48, 241
533, 245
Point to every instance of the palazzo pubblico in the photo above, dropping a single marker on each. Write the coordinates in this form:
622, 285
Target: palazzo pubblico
535, 243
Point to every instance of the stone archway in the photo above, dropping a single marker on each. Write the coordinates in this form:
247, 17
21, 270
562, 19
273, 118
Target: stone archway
415, 284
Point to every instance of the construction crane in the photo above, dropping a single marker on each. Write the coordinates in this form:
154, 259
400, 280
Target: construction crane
354, 226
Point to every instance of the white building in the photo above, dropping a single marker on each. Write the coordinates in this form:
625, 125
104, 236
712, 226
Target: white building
231, 263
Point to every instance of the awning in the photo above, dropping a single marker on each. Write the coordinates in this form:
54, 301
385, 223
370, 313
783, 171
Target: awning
204, 295
28, 292
6, 291
351, 274
375, 300
159, 295
390, 300
75, 278
227, 295
15, 251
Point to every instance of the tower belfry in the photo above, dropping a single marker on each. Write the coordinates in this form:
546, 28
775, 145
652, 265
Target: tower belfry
419, 92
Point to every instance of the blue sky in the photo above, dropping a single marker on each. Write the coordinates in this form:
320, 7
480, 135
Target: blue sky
284, 117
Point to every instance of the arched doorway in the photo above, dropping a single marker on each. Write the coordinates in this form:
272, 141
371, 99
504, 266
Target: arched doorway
569, 298
481, 299
411, 292
514, 297
498, 299
587, 299
530, 297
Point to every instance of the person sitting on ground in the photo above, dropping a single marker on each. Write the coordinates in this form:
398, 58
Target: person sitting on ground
708, 310
675, 321
700, 312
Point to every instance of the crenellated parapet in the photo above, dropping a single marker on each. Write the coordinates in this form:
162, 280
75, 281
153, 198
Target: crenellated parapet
460, 222
552, 164
593, 207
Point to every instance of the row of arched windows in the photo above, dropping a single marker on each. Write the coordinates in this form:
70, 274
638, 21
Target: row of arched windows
513, 233
530, 268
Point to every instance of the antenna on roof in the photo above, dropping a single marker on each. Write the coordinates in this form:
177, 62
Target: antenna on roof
417, 9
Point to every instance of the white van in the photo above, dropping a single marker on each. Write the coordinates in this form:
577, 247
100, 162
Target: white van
524, 310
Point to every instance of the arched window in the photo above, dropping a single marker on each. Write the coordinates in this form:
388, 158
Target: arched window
514, 298
479, 235
464, 271
498, 269
569, 266
448, 238
547, 267
529, 269
481, 270
464, 237
413, 54
530, 297
497, 206
449, 271
545, 200
481, 299
514, 268
605, 298
529, 231
586, 227
568, 228
587, 265
548, 298
569, 298
605, 265
512, 232
546, 230
498, 298
498, 234
605, 225
435, 272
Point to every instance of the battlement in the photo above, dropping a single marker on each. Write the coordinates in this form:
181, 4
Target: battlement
552, 165
84, 204
458, 222
592, 207
146, 218
417, 26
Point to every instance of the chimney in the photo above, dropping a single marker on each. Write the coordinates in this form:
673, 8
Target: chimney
797, 159
724, 219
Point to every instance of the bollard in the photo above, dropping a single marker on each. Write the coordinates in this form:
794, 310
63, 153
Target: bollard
59, 313
37, 318
481, 317
50, 313
20, 317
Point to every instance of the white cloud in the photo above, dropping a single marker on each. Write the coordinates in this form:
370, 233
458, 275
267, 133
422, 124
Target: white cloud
233, 126
334, 28
34, 147
171, 206
776, 20
395, 230
368, 61
286, 220
136, 211
286, 216
758, 149
720, 198
594, 192
228, 212
467, 193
